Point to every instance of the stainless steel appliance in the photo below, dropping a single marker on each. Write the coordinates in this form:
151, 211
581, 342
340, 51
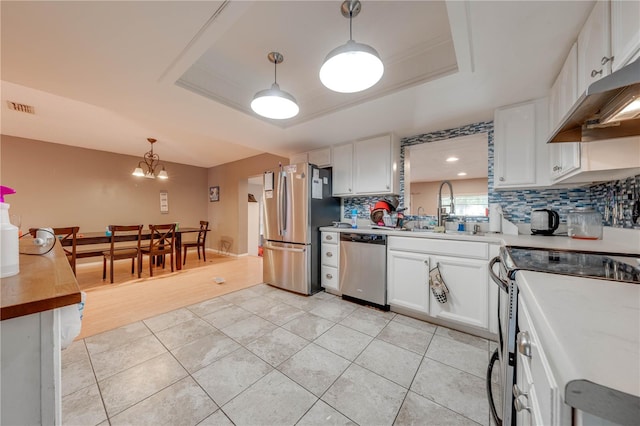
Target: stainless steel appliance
363, 268
297, 201
613, 267
605, 110
544, 221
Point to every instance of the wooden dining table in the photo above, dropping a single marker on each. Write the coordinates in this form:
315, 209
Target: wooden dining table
88, 238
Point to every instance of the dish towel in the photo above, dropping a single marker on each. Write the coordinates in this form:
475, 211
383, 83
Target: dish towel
438, 287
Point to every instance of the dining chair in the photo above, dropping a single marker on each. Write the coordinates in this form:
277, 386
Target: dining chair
161, 244
65, 234
118, 253
199, 243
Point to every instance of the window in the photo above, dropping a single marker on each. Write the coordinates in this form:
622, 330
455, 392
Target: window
468, 205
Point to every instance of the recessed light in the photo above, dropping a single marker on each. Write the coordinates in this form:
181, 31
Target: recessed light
462, 174
452, 159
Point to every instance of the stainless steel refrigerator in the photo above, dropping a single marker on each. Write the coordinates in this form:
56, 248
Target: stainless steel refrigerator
297, 201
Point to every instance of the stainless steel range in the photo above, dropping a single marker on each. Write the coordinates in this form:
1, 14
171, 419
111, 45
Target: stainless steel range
604, 266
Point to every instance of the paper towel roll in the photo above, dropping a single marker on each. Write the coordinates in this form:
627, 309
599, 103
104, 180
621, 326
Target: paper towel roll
495, 218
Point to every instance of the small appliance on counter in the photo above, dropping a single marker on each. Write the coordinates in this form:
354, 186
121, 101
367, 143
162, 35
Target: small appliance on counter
544, 221
584, 224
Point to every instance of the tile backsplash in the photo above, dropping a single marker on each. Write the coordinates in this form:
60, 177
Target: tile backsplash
518, 204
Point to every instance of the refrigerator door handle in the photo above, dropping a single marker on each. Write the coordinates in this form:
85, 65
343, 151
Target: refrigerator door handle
294, 250
283, 206
279, 202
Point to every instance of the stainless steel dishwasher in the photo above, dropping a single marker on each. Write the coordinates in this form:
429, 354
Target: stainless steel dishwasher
363, 268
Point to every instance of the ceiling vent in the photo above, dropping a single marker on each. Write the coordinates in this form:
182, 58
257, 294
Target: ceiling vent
21, 107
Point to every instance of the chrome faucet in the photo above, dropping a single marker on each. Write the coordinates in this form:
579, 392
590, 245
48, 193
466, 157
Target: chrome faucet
442, 214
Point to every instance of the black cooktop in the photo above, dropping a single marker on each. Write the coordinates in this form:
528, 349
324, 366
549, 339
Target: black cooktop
623, 268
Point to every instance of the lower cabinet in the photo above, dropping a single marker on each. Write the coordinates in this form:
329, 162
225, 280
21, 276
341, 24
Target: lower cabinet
468, 283
408, 280
330, 262
464, 267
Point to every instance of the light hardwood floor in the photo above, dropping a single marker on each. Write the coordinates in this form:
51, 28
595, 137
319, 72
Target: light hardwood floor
130, 299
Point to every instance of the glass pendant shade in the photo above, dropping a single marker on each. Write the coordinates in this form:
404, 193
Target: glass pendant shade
275, 103
138, 172
351, 68
163, 174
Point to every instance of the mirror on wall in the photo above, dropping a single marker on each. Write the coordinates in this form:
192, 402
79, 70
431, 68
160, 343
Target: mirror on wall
463, 161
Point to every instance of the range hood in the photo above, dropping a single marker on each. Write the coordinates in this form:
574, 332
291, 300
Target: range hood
609, 109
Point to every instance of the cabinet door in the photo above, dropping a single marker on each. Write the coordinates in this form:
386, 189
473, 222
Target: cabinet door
565, 158
468, 283
594, 47
515, 146
408, 280
564, 91
320, 157
342, 169
373, 165
298, 158
625, 31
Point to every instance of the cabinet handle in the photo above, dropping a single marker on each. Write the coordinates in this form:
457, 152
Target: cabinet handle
387, 186
501, 179
329, 276
518, 393
329, 237
329, 254
521, 405
595, 73
349, 190
606, 59
524, 343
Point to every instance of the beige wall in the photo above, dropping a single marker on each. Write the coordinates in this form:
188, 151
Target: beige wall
425, 194
228, 217
59, 185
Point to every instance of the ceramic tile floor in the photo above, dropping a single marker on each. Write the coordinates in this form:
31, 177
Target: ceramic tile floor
263, 356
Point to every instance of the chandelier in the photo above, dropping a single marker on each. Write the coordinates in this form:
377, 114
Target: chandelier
150, 162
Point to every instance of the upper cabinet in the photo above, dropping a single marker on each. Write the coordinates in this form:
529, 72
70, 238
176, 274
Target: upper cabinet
564, 157
342, 170
367, 167
319, 157
594, 47
625, 32
521, 155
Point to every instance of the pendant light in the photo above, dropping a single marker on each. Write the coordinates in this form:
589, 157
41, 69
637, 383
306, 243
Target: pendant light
275, 103
150, 162
352, 67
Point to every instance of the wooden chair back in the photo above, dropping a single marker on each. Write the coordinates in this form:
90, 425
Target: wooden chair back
65, 234
69, 233
162, 238
202, 234
122, 229
116, 252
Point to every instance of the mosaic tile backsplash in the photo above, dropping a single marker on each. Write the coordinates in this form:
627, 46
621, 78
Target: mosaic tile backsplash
518, 204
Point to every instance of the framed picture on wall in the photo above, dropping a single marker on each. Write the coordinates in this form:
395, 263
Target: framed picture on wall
214, 193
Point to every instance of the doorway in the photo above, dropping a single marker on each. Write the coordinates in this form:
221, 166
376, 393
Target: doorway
255, 228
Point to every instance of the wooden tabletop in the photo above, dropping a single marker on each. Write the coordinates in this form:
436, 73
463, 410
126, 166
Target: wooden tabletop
44, 282
86, 238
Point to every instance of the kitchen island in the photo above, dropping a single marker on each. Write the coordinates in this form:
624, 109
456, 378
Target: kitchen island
30, 333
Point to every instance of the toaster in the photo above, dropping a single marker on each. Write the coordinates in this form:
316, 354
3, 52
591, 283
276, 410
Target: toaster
544, 221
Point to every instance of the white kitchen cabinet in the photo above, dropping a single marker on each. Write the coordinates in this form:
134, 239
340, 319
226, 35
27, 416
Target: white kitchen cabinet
468, 283
625, 31
366, 167
330, 262
464, 266
408, 280
594, 47
535, 378
564, 158
319, 157
521, 155
342, 173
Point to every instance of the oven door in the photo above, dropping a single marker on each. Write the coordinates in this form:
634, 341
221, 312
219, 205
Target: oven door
503, 411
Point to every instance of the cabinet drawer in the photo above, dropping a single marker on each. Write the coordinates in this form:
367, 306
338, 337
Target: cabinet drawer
329, 278
466, 249
330, 238
330, 255
546, 401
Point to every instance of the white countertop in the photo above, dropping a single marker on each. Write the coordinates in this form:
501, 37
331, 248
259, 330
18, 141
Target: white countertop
615, 241
589, 328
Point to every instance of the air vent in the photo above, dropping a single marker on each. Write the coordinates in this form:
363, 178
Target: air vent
21, 107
